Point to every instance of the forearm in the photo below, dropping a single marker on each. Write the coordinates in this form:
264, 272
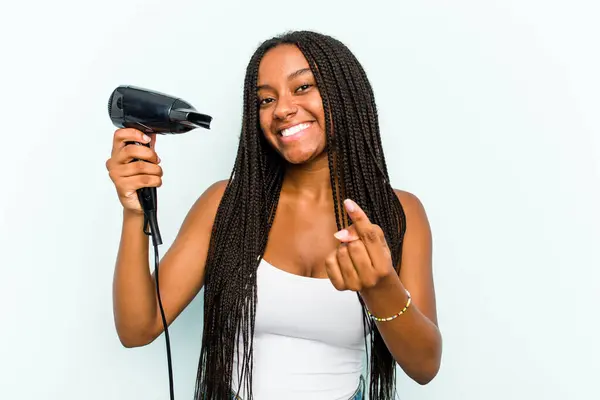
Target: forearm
412, 338
134, 298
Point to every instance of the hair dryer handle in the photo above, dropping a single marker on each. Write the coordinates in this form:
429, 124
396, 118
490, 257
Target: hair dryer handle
147, 198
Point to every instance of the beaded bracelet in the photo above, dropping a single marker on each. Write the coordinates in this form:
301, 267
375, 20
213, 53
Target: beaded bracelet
394, 316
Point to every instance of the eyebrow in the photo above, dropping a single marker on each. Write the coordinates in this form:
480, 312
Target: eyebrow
291, 76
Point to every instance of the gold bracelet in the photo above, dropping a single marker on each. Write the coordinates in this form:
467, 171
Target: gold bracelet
394, 316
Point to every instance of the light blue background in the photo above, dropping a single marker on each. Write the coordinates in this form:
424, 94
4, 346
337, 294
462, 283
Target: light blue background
489, 113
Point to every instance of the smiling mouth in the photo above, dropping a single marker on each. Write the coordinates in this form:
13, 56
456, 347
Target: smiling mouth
291, 131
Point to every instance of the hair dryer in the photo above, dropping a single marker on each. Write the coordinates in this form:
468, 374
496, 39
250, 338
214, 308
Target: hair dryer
152, 112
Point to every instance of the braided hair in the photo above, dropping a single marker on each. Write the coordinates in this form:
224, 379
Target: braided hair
245, 215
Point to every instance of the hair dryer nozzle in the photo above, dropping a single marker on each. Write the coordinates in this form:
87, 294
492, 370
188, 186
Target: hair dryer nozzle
190, 117
200, 120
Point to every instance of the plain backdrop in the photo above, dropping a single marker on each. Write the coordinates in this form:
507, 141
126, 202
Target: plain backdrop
489, 114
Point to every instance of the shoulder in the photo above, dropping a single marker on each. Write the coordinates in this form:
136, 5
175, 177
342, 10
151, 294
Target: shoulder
205, 207
410, 202
215, 192
416, 217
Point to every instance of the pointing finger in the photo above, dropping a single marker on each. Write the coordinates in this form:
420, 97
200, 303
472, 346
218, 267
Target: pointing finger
371, 235
358, 217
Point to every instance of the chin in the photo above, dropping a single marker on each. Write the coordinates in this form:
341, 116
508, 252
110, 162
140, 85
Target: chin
297, 160
303, 158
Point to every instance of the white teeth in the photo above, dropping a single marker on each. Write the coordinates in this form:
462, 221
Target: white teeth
294, 129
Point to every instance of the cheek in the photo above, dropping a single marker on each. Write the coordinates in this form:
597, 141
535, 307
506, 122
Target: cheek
316, 109
321, 120
264, 121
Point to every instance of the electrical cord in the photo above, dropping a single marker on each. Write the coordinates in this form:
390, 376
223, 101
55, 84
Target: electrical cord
151, 222
147, 199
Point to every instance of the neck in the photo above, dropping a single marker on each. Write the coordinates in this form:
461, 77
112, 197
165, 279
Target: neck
310, 181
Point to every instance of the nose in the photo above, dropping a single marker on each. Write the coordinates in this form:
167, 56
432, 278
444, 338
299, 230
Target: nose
284, 108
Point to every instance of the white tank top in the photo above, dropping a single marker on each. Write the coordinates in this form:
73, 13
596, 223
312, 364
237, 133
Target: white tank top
309, 340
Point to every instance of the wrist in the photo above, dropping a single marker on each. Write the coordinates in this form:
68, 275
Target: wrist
133, 214
388, 284
386, 298
133, 219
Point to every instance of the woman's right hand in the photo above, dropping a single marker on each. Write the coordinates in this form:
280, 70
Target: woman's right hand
129, 176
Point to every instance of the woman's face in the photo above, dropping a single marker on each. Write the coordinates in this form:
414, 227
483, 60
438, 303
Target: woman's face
290, 106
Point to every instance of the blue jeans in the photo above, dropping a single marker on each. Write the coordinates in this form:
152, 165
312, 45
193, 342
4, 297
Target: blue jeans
360, 390
357, 395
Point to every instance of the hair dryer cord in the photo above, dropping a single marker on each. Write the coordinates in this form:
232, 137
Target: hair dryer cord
151, 227
150, 222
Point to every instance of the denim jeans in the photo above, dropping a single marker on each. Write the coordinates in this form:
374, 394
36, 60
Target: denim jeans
357, 395
360, 390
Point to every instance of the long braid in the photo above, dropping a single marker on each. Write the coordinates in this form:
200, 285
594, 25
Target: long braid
245, 215
370, 192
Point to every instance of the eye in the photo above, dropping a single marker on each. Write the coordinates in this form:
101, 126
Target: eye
303, 88
264, 102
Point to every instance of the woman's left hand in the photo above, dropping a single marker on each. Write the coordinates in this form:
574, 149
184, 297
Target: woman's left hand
363, 260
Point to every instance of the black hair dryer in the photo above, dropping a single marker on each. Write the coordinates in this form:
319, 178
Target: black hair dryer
152, 112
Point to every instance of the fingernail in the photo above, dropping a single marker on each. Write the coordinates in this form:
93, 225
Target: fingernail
158, 158
341, 234
146, 138
350, 205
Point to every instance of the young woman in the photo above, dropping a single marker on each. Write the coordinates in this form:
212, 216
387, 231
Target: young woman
306, 253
